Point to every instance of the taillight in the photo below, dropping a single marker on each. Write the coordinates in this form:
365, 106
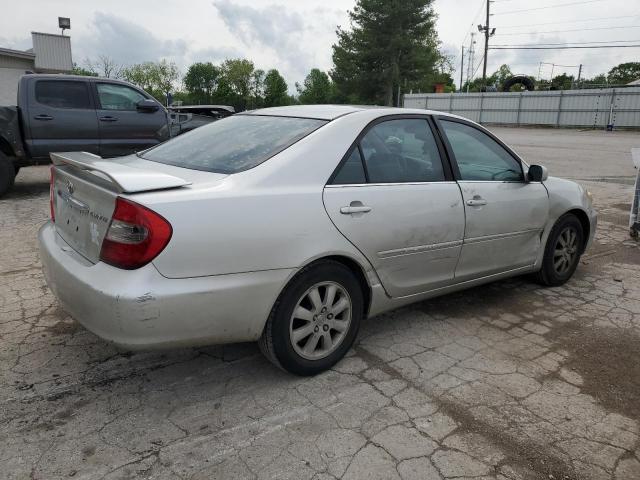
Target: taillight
52, 193
135, 236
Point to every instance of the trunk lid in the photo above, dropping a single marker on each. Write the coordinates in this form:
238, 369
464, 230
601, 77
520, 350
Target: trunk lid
85, 188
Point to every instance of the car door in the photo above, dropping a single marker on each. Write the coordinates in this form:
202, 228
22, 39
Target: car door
60, 117
505, 214
125, 128
395, 200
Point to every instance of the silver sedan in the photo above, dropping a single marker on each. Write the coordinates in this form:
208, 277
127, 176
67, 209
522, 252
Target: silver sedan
290, 225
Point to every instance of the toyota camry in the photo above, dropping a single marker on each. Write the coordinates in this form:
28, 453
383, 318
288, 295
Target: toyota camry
290, 225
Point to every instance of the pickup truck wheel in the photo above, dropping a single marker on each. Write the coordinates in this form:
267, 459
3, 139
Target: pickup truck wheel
7, 174
562, 252
315, 320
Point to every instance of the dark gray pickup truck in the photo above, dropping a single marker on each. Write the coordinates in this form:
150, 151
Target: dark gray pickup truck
62, 113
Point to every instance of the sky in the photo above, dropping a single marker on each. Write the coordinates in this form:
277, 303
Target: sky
296, 35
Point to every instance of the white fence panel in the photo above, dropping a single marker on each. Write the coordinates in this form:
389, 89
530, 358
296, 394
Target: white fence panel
569, 108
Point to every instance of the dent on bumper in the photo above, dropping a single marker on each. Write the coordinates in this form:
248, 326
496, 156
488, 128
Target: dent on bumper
142, 309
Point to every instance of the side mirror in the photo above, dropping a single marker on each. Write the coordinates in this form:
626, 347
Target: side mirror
147, 106
538, 173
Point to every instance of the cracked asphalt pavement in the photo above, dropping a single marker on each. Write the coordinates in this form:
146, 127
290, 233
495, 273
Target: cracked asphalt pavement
505, 381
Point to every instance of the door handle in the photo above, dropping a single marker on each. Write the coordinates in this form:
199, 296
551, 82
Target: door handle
108, 118
476, 202
42, 116
355, 209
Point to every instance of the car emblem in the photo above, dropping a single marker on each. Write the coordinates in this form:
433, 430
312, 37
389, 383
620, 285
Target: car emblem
70, 187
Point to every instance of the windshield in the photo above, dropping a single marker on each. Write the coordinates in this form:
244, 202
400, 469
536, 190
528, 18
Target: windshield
233, 144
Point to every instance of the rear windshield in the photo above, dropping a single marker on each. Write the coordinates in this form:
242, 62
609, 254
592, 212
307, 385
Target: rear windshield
233, 144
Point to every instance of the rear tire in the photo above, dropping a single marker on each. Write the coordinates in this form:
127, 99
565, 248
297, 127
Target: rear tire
315, 320
7, 174
562, 252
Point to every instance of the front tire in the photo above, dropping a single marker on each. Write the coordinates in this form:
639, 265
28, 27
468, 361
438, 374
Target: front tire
562, 252
315, 320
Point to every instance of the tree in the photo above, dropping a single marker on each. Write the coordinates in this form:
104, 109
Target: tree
201, 81
143, 75
166, 76
157, 78
275, 90
562, 82
78, 70
389, 43
238, 80
624, 73
105, 67
256, 99
317, 88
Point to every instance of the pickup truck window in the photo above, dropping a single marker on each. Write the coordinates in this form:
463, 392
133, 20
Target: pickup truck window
118, 97
63, 94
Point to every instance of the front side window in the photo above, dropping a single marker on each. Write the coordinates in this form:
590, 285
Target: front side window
118, 97
63, 94
480, 157
233, 144
402, 150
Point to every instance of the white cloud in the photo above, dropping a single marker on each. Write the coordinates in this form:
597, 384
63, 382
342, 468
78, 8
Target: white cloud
295, 36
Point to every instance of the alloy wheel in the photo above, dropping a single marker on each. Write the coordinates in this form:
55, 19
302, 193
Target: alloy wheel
320, 320
566, 250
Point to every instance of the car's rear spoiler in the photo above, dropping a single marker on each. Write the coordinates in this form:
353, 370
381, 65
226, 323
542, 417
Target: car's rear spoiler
126, 179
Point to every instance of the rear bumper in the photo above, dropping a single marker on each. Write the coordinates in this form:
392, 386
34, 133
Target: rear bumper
141, 309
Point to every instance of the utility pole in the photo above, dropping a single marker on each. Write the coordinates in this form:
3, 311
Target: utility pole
472, 51
486, 42
488, 33
579, 75
462, 68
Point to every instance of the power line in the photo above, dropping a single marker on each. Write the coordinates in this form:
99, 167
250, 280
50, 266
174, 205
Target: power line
563, 48
564, 43
564, 31
547, 7
569, 21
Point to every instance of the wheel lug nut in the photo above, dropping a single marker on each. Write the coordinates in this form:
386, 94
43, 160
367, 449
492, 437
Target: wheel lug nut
325, 327
324, 309
316, 329
330, 316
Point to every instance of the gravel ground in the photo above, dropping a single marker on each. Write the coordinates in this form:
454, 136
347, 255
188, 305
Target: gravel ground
505, 381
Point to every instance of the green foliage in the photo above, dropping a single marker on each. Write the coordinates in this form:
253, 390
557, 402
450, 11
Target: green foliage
496, 79
317, 89
201, 81
389, 43
157, 78
275, 90
624, 73
238, 83
78, 70
562, 82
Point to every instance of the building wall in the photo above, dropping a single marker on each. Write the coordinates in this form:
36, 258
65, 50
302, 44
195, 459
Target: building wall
9, 78
11, 69
564, 108
53, 53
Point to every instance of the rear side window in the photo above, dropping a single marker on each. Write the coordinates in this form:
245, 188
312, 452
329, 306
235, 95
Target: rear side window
351, 171
63, 94
118, 97
402, 150
233, 144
